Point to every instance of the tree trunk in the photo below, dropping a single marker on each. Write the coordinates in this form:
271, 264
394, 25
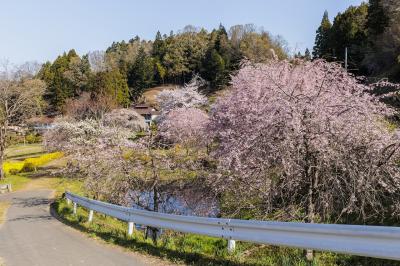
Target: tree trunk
154, 230
310, 216
311, 203
3, 131
309, 172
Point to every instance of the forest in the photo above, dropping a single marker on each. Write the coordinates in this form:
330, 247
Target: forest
370, 32
119, 75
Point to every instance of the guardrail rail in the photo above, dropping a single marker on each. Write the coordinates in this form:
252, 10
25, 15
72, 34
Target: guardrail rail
370, 241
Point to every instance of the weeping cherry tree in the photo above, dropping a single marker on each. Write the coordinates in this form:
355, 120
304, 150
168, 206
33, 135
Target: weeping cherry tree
305, 141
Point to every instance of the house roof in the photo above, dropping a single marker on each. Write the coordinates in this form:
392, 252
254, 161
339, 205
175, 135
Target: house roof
144, 109
141, 106
40, 120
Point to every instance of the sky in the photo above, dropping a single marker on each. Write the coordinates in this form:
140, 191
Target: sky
40, 30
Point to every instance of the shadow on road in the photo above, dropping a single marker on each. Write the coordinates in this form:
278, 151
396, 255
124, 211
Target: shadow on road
143, 247
32, 218
31, 202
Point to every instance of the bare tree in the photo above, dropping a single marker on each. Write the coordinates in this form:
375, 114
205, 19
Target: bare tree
88, 106
27, 70
19, 99
97, 61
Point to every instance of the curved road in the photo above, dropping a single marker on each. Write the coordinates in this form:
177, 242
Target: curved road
31, 236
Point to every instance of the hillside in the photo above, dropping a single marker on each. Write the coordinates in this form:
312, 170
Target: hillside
150, 95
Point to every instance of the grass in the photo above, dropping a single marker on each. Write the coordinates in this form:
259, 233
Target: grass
17, 182
150, 95
3, 210
31, 161
59, 184
24, 150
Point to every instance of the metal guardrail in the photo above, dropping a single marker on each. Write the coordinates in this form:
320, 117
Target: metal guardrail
371, 241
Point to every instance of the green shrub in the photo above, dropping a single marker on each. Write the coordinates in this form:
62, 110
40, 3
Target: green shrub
14, 138
33, 138
28, 167
13, 171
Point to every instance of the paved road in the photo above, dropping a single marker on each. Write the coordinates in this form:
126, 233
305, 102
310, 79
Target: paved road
31, 236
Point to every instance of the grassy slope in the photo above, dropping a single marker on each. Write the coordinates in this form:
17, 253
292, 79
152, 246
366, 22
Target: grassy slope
41, 178
150, 95
21, 151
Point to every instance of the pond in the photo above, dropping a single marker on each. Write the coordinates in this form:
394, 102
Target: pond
192, 204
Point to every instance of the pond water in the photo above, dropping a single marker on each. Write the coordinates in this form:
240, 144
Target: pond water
193, 205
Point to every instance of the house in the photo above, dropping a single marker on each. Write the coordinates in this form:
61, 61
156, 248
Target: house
40, 124
149, 113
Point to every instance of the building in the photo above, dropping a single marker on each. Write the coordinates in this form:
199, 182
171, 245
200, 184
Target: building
40, 124
149, 113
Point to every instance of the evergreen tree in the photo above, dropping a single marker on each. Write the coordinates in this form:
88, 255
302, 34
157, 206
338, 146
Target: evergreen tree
214, 70
141, 74
220, 59
111, 84
377, 19
58, 87
161, 72
159, 47
383, 39
223, 47
66, 77
322, 46
307, 54
349, 30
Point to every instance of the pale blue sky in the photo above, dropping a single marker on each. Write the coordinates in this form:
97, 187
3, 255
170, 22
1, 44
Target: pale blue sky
42, 29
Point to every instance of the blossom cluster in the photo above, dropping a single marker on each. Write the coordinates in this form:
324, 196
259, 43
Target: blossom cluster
307, 136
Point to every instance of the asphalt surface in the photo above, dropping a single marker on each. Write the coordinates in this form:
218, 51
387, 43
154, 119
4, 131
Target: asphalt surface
31, 236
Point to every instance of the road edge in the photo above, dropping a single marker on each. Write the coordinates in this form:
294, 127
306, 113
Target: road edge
147, 258
4, 206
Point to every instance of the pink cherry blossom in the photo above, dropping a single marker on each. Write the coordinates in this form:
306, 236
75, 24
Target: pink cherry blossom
184, 125
305, 140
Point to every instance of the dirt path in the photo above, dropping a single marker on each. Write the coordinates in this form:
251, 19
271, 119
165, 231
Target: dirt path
31, 236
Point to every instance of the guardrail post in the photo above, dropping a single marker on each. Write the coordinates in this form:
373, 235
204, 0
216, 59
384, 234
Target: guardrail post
310, 255
231, 245
9, 188
131, 226
90, 216
74, 208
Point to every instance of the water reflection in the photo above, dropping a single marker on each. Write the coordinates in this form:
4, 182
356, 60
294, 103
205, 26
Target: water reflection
191, 204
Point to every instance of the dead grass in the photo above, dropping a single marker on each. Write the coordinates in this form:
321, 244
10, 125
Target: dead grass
58, 184
150, 95
57, 163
